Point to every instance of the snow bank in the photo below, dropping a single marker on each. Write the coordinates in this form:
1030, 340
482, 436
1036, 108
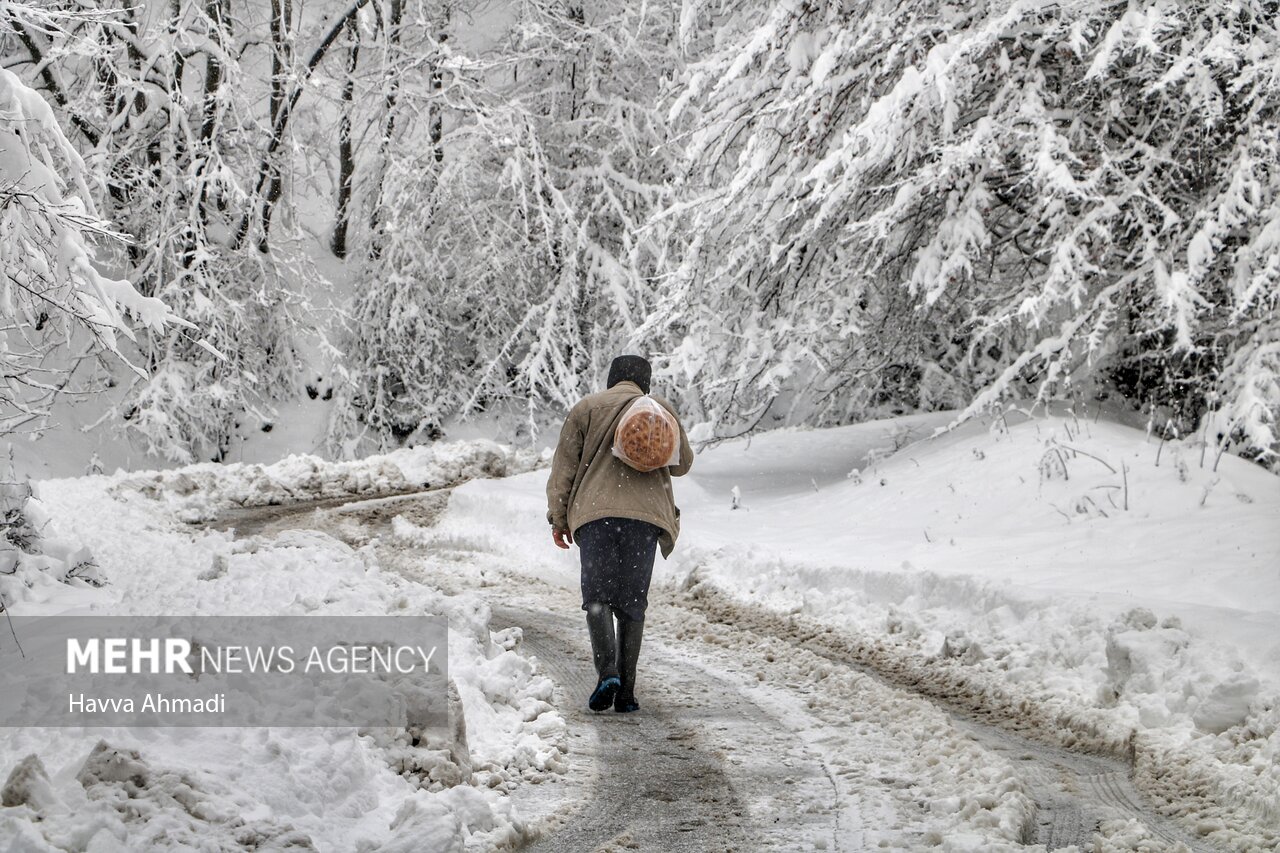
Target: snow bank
199, 492
1051, 562
36, 560
336, 789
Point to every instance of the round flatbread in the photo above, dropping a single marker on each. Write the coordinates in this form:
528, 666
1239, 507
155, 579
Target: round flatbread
646, 439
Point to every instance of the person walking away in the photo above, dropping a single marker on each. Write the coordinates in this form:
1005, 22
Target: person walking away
618, 516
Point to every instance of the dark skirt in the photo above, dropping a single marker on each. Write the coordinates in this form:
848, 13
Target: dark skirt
617, 563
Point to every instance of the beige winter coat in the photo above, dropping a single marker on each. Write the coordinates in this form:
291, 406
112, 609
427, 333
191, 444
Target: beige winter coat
588, 482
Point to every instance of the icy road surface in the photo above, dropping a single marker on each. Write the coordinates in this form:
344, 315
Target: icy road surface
752, 735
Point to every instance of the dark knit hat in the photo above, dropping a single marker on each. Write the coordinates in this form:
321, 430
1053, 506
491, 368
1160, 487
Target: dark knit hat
630, 368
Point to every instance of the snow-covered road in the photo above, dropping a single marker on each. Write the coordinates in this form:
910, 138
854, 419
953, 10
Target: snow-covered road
756, 733
676, 777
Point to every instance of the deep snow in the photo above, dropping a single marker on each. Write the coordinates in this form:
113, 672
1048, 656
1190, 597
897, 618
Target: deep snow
227, 788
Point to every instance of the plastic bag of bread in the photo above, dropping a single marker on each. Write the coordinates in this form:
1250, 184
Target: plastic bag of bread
647, 436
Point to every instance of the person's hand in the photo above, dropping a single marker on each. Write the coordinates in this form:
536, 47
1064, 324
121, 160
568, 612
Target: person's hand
563, 538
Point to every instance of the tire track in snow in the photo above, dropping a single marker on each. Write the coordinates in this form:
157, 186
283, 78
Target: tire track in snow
831, 764
1074, 792
637, 762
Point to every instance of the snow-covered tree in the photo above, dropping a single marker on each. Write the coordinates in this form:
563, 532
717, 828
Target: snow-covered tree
903, 203
512, 256
59, 308
186, 111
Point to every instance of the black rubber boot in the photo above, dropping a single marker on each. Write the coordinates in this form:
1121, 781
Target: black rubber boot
604, 648
604, 652
629, 633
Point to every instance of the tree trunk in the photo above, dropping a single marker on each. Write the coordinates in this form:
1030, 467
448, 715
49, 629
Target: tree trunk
391, 86
281, 61
346, 157
219, 15
179, 61
437, 109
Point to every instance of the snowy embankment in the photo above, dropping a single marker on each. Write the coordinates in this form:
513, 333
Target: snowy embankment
200, 492
1045, 569
220, 788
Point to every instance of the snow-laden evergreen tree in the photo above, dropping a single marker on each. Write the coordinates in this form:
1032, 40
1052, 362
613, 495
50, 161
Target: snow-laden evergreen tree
59, 309
509, 256
931, 204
